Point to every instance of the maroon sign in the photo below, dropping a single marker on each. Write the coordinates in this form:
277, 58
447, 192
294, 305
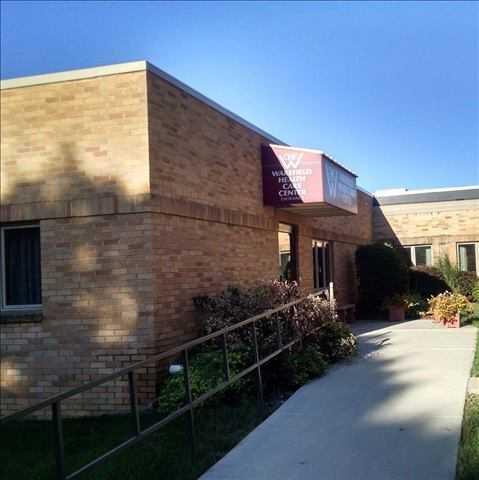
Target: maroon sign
308, 181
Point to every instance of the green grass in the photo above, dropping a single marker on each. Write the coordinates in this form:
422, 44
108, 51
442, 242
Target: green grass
468, 458
26, 448
474, 319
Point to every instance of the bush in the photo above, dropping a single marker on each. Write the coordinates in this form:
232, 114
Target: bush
449, 272
206, 371
382, 272
237, 304
426, 281
416, 305
475, 292
446, 305
465, 283
298, 368
334, 340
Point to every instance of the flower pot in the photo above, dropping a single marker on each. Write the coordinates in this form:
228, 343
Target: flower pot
397, 313
453, 322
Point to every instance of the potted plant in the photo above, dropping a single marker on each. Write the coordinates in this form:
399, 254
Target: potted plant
446, 308
396, 307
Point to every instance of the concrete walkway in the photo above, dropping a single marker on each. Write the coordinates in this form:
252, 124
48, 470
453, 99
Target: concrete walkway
395, 412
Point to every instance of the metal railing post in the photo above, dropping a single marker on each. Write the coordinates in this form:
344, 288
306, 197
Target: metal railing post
258, 369
58, 436
189, 399
278, 331
134, 402
225, 358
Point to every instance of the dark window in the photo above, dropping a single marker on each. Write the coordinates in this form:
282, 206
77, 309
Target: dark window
287, 252
321, 264
21, 272
420, 255
468, 257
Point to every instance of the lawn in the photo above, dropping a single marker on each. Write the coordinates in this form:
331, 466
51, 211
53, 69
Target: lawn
26, 447
475, 321
468, 457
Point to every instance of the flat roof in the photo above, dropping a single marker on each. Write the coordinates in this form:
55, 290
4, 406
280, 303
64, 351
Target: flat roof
138, 66
398, 196
128, 67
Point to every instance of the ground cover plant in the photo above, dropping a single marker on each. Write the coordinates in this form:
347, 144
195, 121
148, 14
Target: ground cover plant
26, 447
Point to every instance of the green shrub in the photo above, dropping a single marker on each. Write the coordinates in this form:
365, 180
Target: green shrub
304, 365
449, 272
334, 340
206, 371
475, 292
426, 281
465, 283
416, 305
382, 272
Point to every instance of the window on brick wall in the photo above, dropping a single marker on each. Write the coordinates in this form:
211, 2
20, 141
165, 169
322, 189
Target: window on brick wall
20, 267
468, 257
420, 255
322, 261
287, 252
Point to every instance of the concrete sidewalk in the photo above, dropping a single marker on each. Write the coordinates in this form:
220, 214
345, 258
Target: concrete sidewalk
395, 412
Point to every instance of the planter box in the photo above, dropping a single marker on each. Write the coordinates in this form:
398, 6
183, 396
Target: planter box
397, 314
454, 322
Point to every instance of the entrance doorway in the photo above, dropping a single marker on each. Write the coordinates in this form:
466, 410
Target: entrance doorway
322, 261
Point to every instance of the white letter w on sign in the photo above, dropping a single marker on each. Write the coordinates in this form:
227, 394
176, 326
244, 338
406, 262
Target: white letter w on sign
291, 160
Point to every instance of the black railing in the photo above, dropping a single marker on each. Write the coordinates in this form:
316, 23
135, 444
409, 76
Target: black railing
139, 434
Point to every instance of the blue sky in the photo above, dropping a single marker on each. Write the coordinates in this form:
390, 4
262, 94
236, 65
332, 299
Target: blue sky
391, 90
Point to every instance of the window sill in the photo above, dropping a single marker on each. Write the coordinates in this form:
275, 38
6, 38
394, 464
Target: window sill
21, 316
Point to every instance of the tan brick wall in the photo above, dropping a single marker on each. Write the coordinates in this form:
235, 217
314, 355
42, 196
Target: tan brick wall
358, 227
74, 139
440, 224
199, 154
97, 293
194, 258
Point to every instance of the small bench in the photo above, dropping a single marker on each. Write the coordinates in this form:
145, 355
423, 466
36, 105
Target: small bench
346, 313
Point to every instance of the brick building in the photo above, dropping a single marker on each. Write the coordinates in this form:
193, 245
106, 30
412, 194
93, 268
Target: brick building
431, 224
124, 194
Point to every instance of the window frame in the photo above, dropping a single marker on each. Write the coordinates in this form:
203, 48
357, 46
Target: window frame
3, 290
327, 261
476, 250
412, 256
291, 230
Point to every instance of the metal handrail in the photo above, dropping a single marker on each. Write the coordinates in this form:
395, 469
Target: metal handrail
138, 434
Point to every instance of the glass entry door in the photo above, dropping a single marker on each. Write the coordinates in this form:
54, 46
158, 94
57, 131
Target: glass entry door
322, 261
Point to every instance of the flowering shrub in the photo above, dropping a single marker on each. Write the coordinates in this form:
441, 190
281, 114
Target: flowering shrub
447, 305
324, 340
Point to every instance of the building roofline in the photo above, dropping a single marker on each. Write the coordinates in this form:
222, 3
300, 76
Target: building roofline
129, 67
398, 197
139, 66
